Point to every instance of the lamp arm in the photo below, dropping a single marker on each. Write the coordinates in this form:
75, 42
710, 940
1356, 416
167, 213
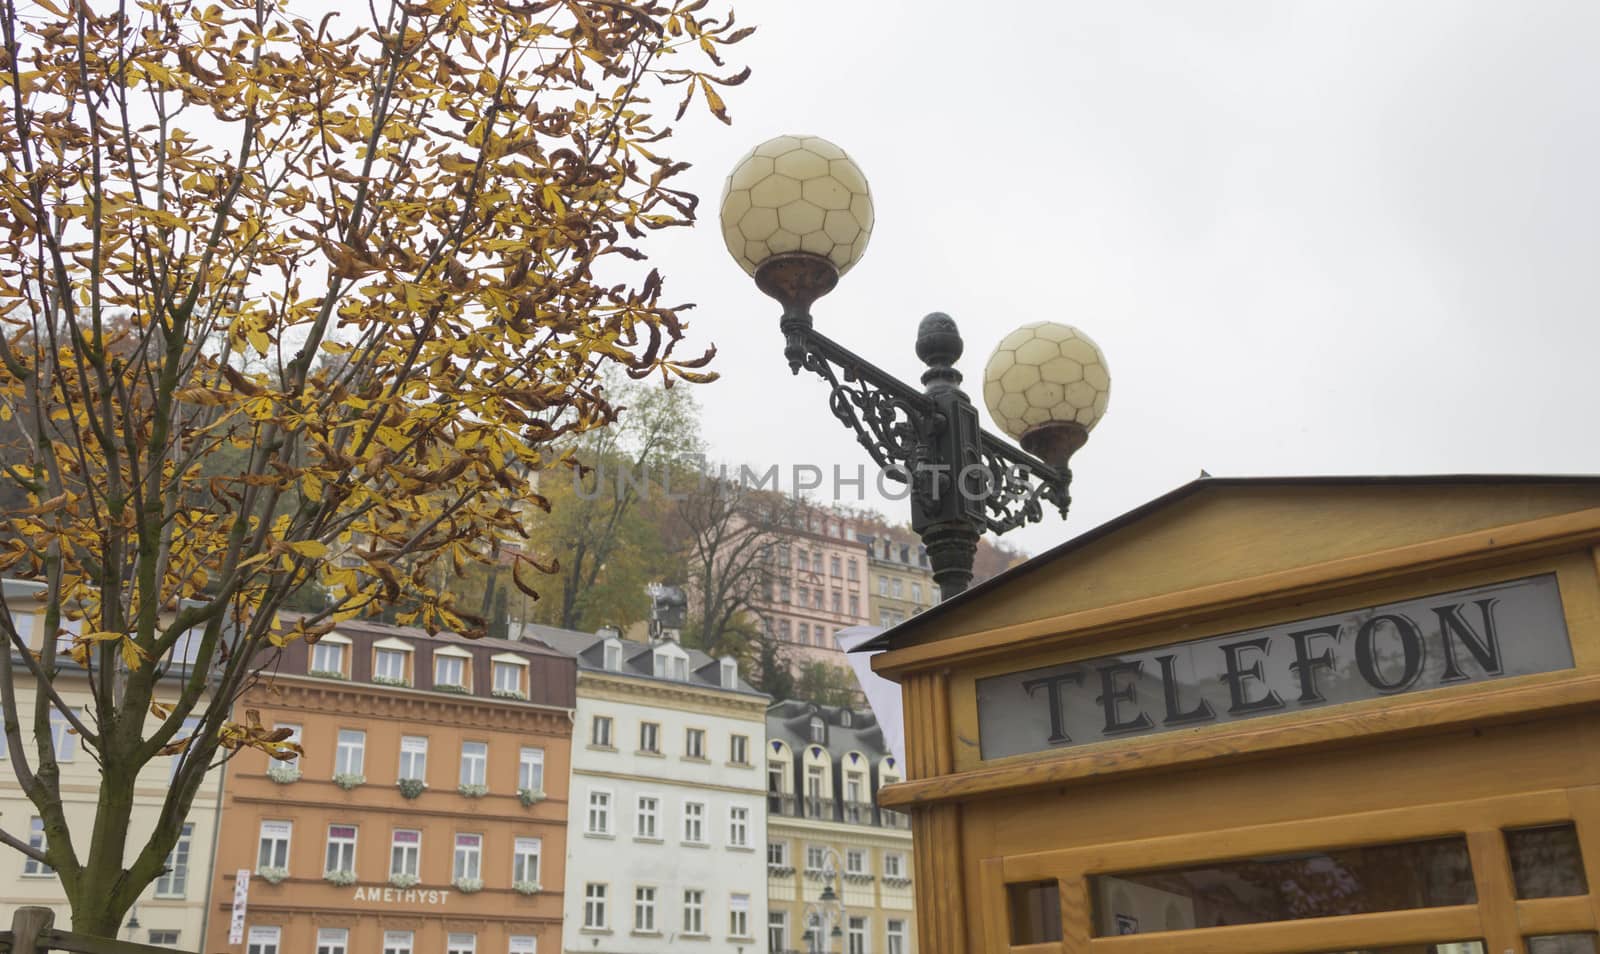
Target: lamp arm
891, 420
1022, 482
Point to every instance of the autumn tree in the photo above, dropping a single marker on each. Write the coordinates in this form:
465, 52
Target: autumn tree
445, 196
602, 524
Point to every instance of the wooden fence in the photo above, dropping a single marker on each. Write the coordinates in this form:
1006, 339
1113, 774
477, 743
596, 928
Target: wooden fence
33, 932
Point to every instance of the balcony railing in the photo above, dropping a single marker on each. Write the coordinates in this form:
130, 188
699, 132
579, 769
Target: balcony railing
821, 808
893, 819
780, 804
858, 813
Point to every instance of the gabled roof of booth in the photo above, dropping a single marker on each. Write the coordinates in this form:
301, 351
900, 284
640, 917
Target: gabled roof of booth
1218, 528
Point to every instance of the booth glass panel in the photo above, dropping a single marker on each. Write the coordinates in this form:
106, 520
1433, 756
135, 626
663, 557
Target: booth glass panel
1035, 912
1562, 944
1286, 887
1546, 861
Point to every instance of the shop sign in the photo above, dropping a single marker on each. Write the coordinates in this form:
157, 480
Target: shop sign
373, 894
1466, 636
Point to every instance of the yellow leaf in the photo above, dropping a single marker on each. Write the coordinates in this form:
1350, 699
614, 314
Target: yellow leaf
315, 549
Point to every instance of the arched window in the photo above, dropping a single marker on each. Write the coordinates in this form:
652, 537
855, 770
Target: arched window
819, 729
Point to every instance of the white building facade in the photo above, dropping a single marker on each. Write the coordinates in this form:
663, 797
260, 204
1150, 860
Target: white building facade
667, 826
172, 911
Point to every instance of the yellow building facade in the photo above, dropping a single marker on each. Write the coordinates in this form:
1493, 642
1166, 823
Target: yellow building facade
1269, 717
825, 829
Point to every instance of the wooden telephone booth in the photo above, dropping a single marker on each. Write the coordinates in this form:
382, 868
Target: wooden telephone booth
1269, 717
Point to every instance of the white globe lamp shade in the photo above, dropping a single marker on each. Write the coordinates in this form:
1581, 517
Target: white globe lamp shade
1047, 386
796, 196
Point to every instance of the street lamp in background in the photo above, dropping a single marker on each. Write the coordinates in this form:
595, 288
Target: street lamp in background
797, 215
827, 910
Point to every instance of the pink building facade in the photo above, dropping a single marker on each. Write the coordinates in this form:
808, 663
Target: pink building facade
818, 586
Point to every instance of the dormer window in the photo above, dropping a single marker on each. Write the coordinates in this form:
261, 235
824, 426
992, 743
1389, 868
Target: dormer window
819, 729
730, 674
450, 670
670, 663
844, 718
613, 656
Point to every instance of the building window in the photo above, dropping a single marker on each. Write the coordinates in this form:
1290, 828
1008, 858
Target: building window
851, 572
694, 822
835, 566
894, 864
814, 788
525, 860
599, 813
389, 665
855, 861
783, 630
855, 605
739, 915
883, 585
405, 852
783, 591
450, 671
856, 937
341, 854
845, 715
778, 854
530, 770
775, 778
777, 930
644, 909
474, 763
397, 942
730, 674
895, 588
414, 757
694, 902
650, 737
507, 679
819, 730
62, 738
837, 601
816, 857
805, 634
327, 657
262, 940
600, 734
816, 603
804, 595
33, 866
469, 858
916, 593
857, 811
613, 657
594, 906
694, 744
333, 941
895, 936
523, 944
294, 736
170, 939
461, 944
885, 618
175, 882
644, 820
273, 849
350, 756
738, 827
739, 749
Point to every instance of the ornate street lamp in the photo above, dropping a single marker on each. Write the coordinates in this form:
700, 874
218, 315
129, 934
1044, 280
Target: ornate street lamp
797, 215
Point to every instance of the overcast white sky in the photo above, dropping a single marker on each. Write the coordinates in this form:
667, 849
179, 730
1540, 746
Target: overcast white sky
1311, 238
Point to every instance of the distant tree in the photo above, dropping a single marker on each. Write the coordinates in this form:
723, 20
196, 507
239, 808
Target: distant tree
826, 685
771, 672
601, 531
203, 197
724, 533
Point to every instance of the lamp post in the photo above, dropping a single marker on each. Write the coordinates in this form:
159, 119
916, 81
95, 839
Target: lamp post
827, 910
797, 215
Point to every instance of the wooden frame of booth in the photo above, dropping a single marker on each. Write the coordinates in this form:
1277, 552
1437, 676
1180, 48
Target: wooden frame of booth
1467, 760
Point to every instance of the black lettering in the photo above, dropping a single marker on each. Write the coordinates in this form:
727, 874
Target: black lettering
1410, 646
1110, 695
1485, 649
1052, 687
1306, 665
1169, 688
1235, 678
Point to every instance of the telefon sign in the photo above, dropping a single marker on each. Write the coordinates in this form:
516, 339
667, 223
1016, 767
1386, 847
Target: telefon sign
1488, 632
